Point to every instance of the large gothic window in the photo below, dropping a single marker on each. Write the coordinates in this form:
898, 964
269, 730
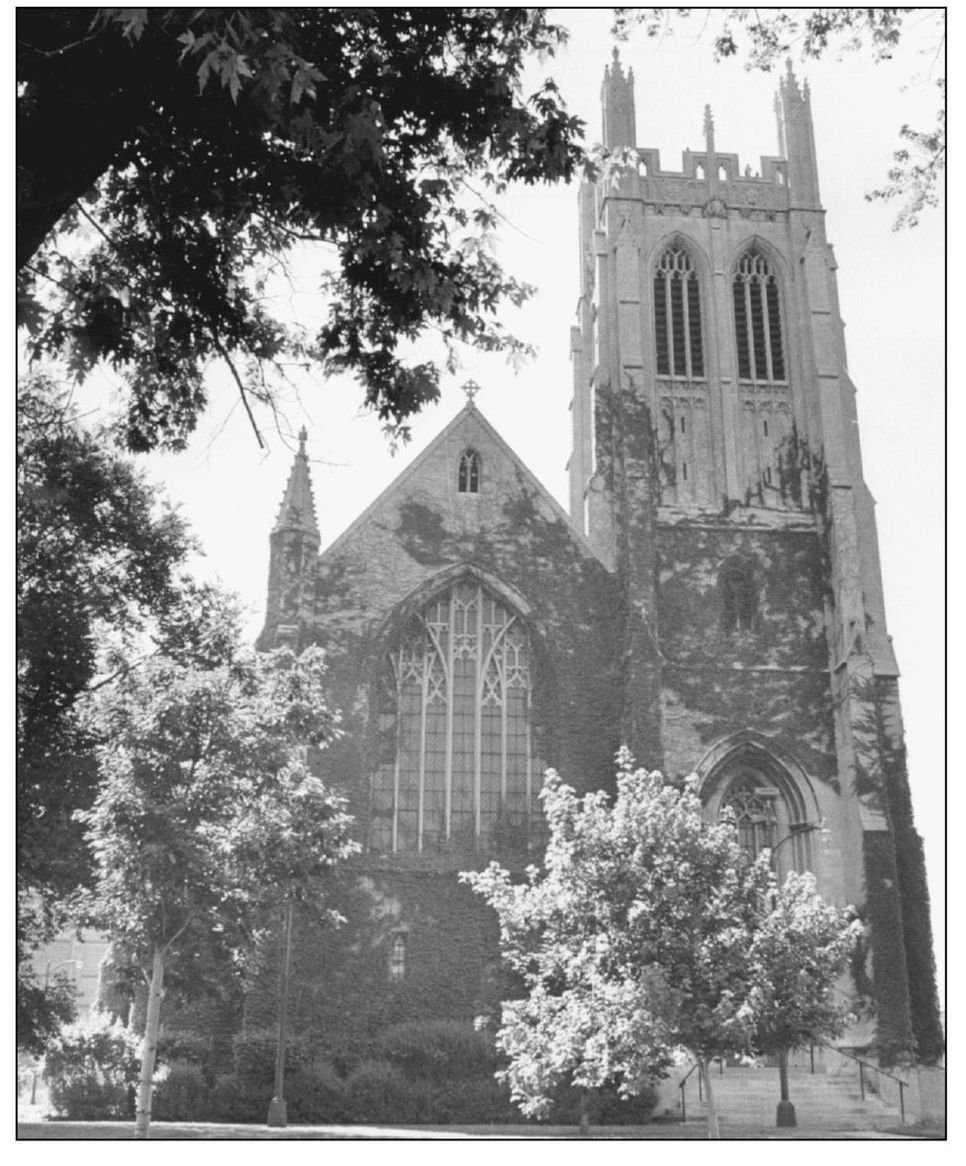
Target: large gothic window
455, 721
677, 316
758, 321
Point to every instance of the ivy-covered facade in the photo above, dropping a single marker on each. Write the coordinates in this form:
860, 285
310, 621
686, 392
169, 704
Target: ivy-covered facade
713, 599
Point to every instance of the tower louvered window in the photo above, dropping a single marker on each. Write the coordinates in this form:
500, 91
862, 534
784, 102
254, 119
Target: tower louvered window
456, 716
677, 316
758, 321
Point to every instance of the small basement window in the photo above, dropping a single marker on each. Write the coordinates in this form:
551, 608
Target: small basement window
468, 474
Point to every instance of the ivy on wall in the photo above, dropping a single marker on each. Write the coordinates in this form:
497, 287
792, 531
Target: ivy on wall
889, 975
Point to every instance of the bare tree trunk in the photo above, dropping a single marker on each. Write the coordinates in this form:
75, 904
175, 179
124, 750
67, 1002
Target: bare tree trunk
705, 1071
150, 1047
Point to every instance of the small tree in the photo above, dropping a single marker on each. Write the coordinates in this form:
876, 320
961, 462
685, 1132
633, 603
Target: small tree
206, 815
649, 930
633, 941
800, 950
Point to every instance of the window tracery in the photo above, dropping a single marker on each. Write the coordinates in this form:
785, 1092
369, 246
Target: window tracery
758, 320
684, 425
769, 810
468, 473
457, 702
677, 316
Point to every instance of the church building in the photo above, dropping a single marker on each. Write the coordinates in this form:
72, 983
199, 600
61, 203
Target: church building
713, 599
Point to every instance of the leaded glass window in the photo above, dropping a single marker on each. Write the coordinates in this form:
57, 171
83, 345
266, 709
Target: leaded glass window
397, 957
468, 474
756, 814
677, 317
769, 815
457, 705
758, 320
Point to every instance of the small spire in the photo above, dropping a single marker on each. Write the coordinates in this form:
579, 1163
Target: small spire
708, 122
790, 82
297, 511
471, 388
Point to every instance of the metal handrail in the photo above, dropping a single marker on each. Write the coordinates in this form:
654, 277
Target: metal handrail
681, 1085
903, 1085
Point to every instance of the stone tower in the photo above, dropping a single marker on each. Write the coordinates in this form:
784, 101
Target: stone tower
716, 470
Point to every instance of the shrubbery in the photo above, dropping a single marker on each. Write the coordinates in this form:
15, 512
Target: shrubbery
377, 1091
92, 1070
183, 1095
435, 1072
439, 1050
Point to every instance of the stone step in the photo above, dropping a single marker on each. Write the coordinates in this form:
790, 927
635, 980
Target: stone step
749, 1097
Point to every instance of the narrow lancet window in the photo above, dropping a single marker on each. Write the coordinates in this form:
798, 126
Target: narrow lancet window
397, 957
739, 597
758, 321
468, 475
677, 316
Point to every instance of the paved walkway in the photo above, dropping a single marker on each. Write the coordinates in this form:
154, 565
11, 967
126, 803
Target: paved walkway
216, 1131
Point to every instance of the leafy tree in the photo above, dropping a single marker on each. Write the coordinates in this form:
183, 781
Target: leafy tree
632, 943
800, 950
99, 555
42, 1010
635, 941
765, 36
199, 145
101, 584
206, 815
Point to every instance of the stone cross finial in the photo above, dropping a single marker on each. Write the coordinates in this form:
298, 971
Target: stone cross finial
303, 438
470, 388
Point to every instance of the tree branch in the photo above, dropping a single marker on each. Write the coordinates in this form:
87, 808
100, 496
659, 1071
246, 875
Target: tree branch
238, 381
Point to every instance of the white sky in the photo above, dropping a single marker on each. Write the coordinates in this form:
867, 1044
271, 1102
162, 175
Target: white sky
892, 297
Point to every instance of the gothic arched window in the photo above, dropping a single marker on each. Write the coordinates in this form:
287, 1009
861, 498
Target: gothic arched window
739, 594
769, 814
677, 316
758, 319
754, 805
455, 715
468, 474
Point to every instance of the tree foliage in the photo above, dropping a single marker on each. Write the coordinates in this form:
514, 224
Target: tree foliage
206, 816
648, 931
101, 582
42, 1009
766, 36
96, 549
800, 950
199, 145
